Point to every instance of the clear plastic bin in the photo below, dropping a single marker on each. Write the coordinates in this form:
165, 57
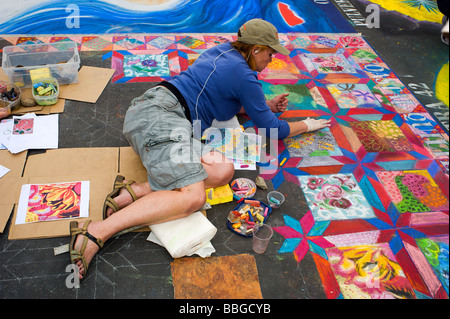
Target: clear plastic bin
62, 58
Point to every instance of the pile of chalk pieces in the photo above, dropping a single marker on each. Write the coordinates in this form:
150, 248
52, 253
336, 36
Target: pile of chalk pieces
44, 89
248, 216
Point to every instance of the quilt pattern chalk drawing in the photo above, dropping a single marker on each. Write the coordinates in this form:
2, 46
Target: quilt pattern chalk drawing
375, 182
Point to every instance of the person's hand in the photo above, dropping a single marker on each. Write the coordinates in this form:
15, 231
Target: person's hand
279, 103
314, 125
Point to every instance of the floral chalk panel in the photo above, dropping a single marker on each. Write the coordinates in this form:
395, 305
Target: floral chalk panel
335, 197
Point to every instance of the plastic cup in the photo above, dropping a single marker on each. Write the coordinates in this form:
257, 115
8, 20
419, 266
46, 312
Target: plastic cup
261, 239
275, 199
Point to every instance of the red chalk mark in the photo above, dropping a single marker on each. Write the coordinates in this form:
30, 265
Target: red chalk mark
291, 18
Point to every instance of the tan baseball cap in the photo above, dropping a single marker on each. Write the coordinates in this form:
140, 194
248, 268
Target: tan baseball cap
261, 32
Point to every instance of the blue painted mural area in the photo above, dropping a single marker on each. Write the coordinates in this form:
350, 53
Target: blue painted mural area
180, 16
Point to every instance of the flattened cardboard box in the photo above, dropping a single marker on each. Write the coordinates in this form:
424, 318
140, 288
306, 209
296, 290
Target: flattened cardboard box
10, 183
130, 166
91, 83
97, 165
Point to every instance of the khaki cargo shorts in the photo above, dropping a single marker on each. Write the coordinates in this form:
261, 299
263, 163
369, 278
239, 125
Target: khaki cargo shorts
157, 129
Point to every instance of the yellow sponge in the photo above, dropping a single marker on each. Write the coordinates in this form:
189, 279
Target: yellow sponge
39, 74
219, 195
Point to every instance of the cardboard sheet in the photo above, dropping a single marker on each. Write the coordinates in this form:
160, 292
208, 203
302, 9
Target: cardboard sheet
91, 83
10, 184
99, 166
130, 166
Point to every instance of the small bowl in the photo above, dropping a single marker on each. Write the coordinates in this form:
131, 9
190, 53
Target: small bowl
275, 199
11, 105
46, 99
5, 109
243, 188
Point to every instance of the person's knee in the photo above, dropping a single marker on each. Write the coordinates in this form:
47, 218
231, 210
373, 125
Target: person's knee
219, 168
225, 173
195, 198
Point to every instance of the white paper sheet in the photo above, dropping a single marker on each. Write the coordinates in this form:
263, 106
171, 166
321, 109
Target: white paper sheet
3, 171
42, 135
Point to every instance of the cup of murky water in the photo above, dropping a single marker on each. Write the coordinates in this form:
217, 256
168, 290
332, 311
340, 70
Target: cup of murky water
262, 238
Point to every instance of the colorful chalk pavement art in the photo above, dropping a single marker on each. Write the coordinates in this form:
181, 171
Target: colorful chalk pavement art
376, 181
166, 16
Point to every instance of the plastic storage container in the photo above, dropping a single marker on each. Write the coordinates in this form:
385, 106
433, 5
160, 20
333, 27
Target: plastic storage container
62, 58
6, 105
47, 84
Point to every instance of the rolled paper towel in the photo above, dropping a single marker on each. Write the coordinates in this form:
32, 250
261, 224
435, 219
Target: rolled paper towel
184, 236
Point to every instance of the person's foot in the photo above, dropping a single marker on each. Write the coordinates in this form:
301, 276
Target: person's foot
123, 199
90, 251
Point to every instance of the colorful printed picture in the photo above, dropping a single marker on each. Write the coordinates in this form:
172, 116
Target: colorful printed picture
335, 197
23, 126
413, 191
45, 202
146, 65
369, 272
381, 136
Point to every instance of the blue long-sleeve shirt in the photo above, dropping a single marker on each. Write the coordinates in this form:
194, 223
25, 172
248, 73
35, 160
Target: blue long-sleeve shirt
231, 86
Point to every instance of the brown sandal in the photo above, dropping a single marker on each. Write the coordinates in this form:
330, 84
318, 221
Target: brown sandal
76, 255
118, 185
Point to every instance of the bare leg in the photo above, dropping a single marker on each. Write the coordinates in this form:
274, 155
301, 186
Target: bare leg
160, 206
219, 169
153, 208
